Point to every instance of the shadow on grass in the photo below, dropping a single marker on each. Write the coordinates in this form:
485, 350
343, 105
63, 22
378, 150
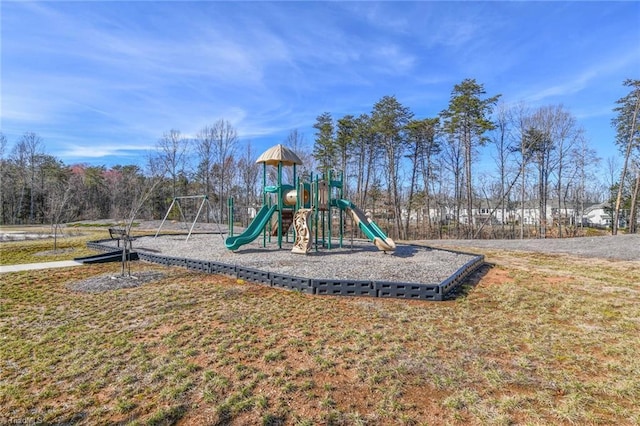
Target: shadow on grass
470, 282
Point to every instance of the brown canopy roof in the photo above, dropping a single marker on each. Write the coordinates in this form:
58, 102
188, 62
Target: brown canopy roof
277, 154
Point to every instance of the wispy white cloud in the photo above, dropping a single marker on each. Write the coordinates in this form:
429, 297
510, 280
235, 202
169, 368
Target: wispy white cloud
119, 74
101, 150
392, 59
384, 16
557, 90
570, 84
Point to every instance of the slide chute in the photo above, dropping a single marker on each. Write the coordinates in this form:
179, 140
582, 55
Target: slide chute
253, 231
367, 226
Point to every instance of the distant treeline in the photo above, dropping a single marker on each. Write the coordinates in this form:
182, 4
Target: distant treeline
419, 176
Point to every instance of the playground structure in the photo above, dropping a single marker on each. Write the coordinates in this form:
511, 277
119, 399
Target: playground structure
308, 208
307, 205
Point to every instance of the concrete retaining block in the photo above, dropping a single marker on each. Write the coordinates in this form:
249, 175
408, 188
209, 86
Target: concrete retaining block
344, 288
292, 283
254, 275
408, 290
223, 268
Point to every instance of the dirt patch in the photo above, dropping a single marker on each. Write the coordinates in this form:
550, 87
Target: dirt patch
55, 252
496, 277
108, 282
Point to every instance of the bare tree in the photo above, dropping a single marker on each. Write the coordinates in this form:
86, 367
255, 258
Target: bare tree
635, 194
3, 176
627, 127
612, 169
295, 141
143, 194
20, 176
365, 156
567, 135
543, 145
430, 151
172, 154
3, 145
122, 184
422, 145
225, 141
521, 119
205, 147
59, 195
452, 161
585, 159
29, 148
503, 155
248, 172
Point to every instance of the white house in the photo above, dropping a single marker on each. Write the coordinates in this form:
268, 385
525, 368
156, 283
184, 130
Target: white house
515, 213
597, 215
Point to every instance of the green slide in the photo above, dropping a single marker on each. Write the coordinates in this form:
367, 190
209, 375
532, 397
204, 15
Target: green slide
367, 226
253, 230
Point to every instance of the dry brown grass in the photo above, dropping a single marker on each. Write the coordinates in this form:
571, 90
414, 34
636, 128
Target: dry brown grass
537, 340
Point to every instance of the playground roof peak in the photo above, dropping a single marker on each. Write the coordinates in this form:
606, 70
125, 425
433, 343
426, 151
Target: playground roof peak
279, 154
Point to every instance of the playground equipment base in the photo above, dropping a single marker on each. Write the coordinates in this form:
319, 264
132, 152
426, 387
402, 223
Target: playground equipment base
317, 286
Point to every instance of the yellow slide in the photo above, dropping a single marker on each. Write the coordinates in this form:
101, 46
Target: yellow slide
367, 226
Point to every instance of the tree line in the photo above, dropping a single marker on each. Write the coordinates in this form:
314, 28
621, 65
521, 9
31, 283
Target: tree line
419, 176
38, 188
424, 171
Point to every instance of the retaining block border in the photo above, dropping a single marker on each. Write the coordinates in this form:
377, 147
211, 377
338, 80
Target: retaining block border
333, 287
317, 286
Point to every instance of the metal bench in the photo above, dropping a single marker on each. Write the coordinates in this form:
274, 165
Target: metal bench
120, 234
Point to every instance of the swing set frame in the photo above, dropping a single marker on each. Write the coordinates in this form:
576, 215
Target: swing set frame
176, 202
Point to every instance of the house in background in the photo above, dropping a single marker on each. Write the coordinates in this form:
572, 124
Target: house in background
529, 214
598, 215
489, 212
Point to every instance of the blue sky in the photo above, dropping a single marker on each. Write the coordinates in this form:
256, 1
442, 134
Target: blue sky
101, 81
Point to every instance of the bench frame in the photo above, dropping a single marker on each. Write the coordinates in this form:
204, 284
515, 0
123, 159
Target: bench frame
121, 234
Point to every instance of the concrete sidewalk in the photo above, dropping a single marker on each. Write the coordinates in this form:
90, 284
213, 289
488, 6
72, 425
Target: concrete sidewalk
35, 266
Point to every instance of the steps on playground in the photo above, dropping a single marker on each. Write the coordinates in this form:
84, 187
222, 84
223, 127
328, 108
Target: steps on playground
287, 220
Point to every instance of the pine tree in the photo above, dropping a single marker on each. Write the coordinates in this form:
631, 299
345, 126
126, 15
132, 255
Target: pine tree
324, 148
466, 120
390, 119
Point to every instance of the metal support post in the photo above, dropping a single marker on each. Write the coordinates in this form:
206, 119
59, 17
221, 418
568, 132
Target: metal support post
230, 207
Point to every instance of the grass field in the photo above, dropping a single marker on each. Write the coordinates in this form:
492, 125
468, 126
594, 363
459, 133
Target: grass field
536, 340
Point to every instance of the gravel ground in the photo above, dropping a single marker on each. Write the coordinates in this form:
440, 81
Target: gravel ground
619, 247
429, 262
362, 261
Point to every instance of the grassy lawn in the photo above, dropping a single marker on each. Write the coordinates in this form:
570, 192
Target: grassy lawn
539, 340
73, 244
